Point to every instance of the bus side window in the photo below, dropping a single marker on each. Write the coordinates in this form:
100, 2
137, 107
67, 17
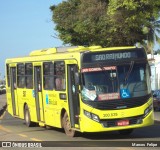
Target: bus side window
48, 75
8, 75
29, 75
59, 75
21, 75
58, 83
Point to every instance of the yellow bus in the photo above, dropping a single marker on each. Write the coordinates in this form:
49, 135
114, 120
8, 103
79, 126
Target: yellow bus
85, 89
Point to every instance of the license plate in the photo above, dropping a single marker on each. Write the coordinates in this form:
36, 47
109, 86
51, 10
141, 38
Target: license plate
123, 123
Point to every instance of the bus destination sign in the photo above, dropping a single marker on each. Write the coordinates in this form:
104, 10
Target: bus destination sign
113, 56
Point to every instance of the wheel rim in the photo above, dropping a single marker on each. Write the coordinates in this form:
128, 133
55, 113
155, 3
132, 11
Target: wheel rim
67, 126
27, 118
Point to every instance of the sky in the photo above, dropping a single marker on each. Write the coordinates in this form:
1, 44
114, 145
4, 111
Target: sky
25, 26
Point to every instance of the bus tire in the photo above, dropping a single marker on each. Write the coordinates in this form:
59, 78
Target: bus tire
126, 132
67, 126
27, 117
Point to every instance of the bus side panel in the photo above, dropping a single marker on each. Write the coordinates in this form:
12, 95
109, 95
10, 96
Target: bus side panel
26, 96
52, 108
20, 99
31, 104
48, 108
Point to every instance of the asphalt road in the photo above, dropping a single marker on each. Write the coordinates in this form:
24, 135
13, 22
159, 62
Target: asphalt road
14, 129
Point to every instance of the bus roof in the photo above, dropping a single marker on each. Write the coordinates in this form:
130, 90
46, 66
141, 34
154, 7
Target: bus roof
64, 50
73, 49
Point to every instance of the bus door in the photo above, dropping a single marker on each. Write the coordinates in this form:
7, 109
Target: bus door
38, 93
73, 95
14, 91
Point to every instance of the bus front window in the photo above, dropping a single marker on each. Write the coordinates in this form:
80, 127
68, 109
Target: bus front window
115, 82
136, 80
100, 83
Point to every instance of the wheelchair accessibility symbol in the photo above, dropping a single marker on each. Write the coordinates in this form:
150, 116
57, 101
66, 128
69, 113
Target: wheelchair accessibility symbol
125, 93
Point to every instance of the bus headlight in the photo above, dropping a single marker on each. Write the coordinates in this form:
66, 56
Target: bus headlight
95, 117
147, 110
91, 116
88, 114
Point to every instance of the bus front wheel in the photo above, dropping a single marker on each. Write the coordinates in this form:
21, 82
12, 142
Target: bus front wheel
27, 117
67, 126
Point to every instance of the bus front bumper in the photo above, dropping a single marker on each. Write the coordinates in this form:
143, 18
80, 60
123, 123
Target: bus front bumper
89, 125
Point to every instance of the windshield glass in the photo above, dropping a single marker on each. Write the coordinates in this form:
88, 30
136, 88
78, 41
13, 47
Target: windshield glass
115, 82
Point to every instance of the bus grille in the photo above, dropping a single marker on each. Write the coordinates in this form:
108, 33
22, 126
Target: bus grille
113, 122
119, 103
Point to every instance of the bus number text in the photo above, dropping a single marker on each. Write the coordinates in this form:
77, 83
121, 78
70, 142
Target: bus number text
110, 115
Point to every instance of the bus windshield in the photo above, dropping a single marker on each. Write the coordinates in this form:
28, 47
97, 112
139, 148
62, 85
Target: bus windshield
115, 82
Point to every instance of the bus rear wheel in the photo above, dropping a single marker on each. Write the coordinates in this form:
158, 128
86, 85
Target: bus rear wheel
27, 117
67, 126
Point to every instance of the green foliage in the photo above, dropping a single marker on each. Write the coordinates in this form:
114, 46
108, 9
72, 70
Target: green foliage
105, 22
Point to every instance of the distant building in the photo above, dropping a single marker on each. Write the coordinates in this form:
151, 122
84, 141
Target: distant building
155, 71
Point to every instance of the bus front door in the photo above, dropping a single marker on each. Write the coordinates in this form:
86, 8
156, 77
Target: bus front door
38, 93
73, 96
14, 91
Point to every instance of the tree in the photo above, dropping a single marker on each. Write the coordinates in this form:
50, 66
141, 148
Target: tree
153, 35
104, 22
158, 51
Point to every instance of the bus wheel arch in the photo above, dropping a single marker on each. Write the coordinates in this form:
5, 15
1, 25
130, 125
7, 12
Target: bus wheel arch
24, 110
67, 126
62, 114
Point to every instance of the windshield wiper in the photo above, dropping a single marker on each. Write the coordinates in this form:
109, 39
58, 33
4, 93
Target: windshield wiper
129, 72
103, 69
112, 78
